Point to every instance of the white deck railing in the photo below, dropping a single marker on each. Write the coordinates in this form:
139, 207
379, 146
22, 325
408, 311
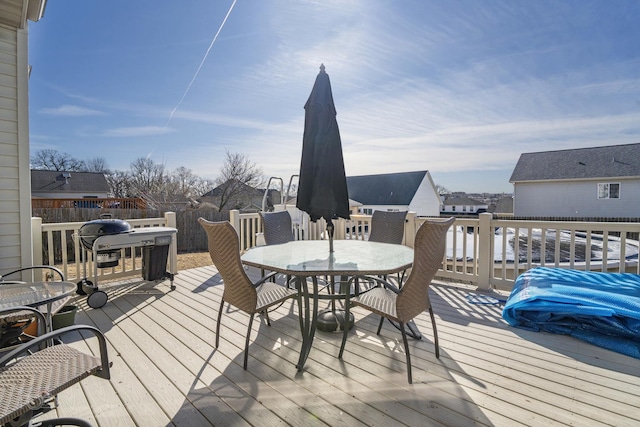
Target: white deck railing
485, 248
479, 251
46, 237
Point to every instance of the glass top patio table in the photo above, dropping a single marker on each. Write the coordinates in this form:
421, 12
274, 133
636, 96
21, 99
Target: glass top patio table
35, 294
311, 258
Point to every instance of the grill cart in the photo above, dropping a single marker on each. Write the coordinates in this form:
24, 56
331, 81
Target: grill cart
104, 238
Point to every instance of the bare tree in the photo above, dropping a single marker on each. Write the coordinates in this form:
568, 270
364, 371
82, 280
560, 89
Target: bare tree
237, 182
53, 160
441, 190
97, 164
120, 184
147, 177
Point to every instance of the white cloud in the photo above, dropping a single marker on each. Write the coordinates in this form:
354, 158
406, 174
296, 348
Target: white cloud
71, 111
124, 132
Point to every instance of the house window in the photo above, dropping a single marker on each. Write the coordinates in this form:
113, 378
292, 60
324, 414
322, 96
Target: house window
367, 211
609, 190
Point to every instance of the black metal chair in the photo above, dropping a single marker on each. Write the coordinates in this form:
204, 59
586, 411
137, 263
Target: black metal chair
14, 323
34, 372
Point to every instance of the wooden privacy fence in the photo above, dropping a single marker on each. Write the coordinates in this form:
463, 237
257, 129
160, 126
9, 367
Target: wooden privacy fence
89, 202
190, 238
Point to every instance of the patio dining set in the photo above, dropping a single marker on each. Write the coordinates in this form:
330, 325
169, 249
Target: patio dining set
363, 266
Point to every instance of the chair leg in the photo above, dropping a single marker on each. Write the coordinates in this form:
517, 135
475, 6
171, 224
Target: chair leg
380, 325
218, 322
246, 343
435, 332
266, 316
406, 349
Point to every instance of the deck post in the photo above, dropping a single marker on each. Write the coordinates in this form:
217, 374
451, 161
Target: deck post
234, 219
170, 221
485, 261
410, 230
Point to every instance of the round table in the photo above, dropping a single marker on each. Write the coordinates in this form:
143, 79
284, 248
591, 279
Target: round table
311, 258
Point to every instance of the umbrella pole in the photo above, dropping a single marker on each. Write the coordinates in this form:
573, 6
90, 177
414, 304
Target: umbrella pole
330, 233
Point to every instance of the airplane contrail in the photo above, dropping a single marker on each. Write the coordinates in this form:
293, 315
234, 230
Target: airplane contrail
201, 64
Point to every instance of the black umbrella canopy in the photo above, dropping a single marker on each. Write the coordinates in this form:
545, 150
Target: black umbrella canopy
322, 186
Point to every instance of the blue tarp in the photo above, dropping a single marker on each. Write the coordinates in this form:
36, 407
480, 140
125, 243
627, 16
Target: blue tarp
600, 308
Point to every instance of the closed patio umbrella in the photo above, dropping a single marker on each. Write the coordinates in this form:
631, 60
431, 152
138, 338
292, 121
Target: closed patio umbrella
322, 186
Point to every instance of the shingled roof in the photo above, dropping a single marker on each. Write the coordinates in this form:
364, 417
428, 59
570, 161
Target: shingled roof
385, 189
70, 182
582, 163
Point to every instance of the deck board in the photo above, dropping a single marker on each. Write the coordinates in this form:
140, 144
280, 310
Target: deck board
166, 371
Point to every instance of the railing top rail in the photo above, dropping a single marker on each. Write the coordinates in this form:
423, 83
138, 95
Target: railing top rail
592, 225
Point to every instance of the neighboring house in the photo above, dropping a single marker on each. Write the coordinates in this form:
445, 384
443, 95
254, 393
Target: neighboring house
15, 188
504, 205
601, 182
460, 206
411, 191
68, 185
234, 194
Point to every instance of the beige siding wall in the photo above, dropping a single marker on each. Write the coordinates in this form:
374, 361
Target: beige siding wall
14, 220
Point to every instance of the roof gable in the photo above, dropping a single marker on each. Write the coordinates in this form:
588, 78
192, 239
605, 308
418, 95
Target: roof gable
582, 163
43, 181
233, 185
385, 189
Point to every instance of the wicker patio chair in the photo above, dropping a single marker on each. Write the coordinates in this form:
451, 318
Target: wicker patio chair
276, 227
33, 373
239, 290
402, 305
387, 227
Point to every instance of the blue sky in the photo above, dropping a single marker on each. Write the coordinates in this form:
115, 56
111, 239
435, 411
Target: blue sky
460, 88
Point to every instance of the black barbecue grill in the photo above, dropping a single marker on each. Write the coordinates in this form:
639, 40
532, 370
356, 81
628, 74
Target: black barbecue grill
91, 230
105, 238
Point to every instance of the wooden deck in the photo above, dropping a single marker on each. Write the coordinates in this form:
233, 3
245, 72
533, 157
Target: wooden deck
166, 371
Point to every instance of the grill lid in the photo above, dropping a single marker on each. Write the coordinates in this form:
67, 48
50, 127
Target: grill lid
91, 230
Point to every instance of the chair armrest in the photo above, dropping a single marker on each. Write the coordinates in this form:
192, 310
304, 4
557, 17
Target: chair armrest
264, 279
385, 283
35, 267
36, 342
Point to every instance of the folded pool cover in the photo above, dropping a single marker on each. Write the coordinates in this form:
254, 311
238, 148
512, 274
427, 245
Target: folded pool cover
600, 308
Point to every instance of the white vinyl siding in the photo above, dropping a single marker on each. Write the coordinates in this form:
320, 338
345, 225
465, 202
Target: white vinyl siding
575, 199
15, 214
426, 201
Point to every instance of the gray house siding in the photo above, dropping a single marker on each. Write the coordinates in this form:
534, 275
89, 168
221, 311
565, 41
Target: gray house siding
576, 199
